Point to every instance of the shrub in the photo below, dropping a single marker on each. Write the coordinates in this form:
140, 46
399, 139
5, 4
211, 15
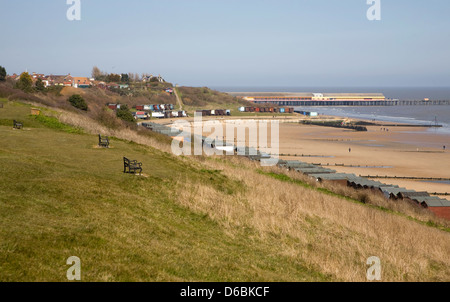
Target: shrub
77, 101
25, 82
125, 114
40, 85
2, 74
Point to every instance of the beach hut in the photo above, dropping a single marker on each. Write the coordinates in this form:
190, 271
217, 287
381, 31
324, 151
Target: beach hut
112, 106
157, 114
141, 115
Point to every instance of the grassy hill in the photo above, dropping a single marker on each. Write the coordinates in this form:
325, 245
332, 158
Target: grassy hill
185, 219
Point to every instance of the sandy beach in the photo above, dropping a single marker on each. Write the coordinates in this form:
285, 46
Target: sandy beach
400, 151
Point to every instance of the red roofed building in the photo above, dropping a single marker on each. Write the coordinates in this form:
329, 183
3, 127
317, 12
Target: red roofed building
81, 82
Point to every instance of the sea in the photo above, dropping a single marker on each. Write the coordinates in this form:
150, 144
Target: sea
423, 115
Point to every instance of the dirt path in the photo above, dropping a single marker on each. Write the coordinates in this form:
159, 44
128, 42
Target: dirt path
179, 101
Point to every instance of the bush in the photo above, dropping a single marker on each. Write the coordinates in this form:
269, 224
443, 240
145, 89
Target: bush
2, 74
77, 101
125, 114
25, 82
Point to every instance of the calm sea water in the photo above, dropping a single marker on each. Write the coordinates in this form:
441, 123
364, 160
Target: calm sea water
425, 115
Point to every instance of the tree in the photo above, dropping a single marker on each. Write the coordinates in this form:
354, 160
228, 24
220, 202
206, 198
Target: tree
40, 85
113, 78
25, 82
77, 101
125, 78
2, 74
125, 114
97, 74
131, 77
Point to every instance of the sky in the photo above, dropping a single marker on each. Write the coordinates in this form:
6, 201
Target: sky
258, 43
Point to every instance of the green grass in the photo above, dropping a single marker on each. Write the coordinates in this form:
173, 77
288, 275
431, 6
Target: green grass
60, 196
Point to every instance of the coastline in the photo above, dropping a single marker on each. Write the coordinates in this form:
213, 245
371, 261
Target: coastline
401, 151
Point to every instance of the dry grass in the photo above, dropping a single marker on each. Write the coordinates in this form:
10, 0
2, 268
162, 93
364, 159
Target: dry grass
333, 235
367, 196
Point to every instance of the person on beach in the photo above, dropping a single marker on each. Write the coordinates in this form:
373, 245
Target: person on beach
349, 150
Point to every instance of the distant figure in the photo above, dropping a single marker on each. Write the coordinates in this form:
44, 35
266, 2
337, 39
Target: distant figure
349, 150
443, 148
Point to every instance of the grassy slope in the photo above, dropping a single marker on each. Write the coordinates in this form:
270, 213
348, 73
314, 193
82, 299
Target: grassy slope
60, 196
189, 219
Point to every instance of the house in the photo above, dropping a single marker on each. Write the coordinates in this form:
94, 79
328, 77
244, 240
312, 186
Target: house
81, 82
99, 84
147, 78
112, 86
60, 80
14, 77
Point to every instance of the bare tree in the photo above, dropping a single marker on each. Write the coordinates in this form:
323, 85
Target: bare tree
97, 73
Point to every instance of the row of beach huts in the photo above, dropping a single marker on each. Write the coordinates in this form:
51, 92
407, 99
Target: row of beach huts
214, 112
145, 115
267, 109
160, 111
440, 207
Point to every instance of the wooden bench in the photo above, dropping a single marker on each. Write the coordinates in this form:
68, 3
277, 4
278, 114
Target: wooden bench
131, 166
103, 141
17, 125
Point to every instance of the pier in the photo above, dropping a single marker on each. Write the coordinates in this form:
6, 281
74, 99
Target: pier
358, 103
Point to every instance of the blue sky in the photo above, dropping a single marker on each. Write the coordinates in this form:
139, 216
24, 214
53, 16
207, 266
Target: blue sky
234, 43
